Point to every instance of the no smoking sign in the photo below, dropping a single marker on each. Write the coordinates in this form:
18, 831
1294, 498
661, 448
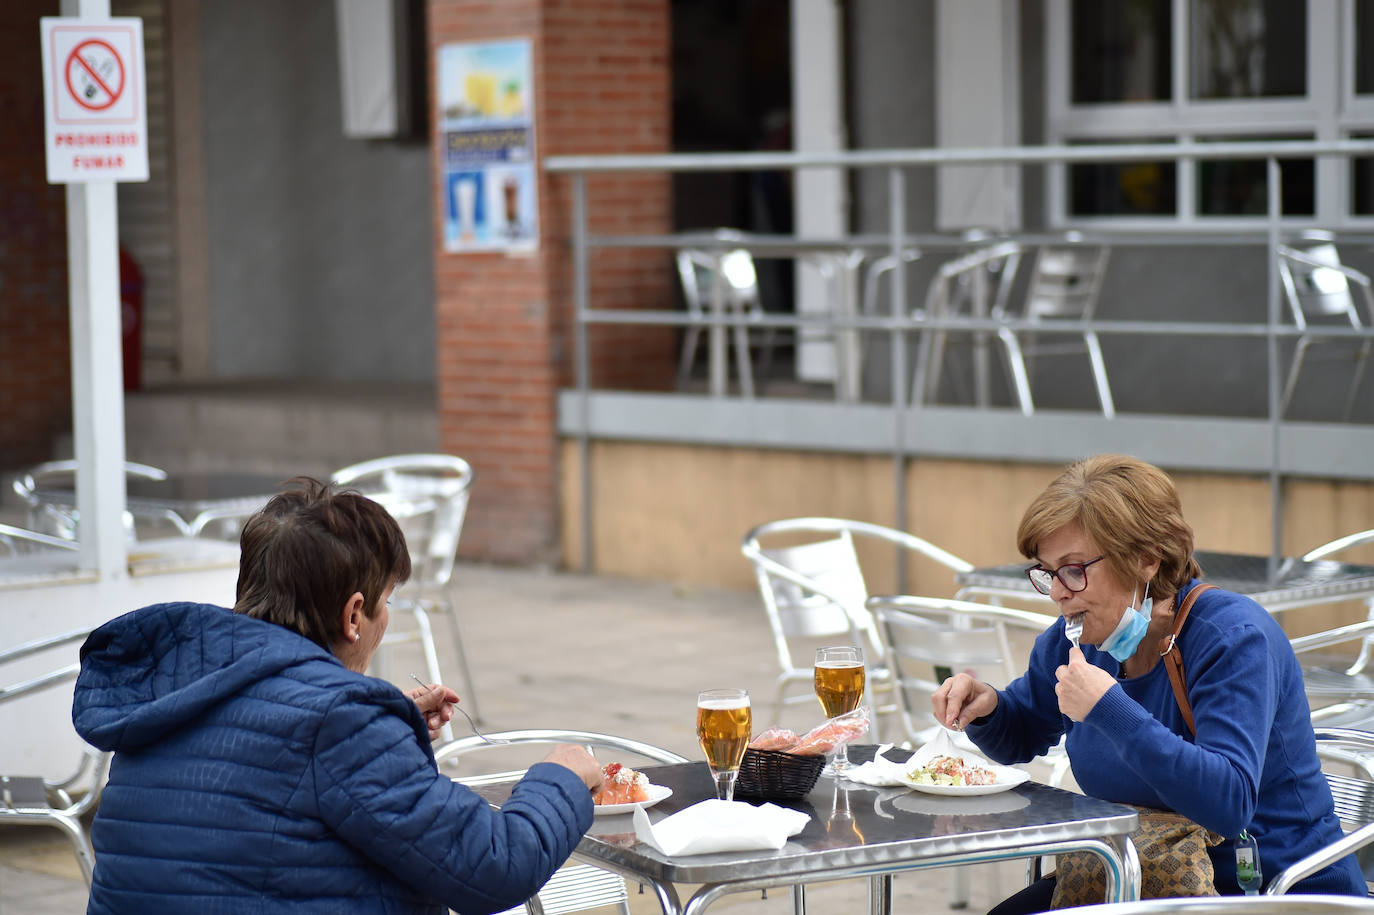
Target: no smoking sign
94, 104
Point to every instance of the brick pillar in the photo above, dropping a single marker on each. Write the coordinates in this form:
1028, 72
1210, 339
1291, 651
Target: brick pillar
35, 344
504, 323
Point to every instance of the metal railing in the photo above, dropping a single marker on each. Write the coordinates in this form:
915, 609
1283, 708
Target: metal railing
897, 240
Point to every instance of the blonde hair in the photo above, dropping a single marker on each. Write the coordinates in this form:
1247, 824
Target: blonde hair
1129, 508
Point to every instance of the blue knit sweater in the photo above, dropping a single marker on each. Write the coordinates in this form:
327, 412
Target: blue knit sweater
1253, 764
253, 773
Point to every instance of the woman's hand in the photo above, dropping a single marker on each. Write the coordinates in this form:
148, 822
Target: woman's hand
435, 702
1080, 685
962, 698
582, 763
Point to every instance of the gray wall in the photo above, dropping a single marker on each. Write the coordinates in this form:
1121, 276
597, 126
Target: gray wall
321, 261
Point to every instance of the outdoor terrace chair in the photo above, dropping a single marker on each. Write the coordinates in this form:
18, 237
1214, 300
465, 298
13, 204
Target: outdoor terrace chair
573, 887
731, 275
1316, 286
428, 496
976, 284
815, 590
1061, 298
927, 639
35, 800
62, 520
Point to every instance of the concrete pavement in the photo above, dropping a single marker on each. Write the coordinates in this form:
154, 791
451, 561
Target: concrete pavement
553, 649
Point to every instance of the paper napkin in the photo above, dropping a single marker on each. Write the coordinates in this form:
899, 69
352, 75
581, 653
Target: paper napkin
880, 773
715, 825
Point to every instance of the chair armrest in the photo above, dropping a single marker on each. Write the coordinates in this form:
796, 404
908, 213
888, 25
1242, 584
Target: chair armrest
1332, 636
1340, 543
1306, 867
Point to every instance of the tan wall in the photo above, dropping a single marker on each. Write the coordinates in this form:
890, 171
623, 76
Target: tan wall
678, 512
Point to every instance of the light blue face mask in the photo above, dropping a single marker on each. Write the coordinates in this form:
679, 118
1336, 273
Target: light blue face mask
1125, 638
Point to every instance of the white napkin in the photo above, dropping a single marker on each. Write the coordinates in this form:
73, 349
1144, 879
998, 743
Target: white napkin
716, 825
948, 743
880, 773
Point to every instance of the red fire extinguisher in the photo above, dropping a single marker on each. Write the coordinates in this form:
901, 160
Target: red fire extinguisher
131, 318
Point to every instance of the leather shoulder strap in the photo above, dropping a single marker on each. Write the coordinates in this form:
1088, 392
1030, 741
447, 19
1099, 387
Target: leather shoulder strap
1173, 658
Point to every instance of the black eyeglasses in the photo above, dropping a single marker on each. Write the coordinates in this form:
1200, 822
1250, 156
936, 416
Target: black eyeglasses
1072, 575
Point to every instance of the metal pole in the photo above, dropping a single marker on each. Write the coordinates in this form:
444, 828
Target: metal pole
896, 192
1275, 420
582, 358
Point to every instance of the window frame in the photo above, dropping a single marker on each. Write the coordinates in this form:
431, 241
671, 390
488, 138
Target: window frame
1330, 111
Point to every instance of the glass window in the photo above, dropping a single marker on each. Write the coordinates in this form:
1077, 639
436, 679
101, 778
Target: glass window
1364, 47
1120, 50
1239, 187
1123, 188
1248, 49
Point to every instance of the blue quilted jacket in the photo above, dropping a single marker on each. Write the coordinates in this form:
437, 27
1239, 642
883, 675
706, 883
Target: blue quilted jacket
253, 773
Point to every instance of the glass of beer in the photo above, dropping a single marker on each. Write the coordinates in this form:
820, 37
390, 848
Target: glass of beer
723, 728
840, 687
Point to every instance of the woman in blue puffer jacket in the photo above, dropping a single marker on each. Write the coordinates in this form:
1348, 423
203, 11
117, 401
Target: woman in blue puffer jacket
256, 769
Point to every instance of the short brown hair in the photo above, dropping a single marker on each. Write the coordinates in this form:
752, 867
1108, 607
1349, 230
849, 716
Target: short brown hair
306, 552
1129, 508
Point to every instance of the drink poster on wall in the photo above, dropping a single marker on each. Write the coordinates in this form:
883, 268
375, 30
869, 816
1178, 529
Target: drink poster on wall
486, 170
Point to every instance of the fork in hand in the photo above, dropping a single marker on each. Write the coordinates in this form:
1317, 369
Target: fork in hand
1073, 629
494, 741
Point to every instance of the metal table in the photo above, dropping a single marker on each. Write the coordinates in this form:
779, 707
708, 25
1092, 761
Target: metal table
189, 501
1296, 584
857, 831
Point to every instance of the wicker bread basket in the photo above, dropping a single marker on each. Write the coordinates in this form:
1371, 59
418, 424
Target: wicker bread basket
772, 774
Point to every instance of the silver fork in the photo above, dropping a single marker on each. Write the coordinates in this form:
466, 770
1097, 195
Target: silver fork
1073, 629
494, 741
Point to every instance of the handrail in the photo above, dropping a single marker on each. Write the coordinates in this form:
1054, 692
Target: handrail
1266, 231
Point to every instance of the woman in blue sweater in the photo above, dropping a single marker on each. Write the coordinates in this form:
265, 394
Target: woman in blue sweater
256, 769
1113, 551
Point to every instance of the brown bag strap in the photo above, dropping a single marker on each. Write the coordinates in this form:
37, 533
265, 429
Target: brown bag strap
1173, 659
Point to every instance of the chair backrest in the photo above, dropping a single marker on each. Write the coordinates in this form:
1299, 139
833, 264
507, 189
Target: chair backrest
817, 588
987, 273
926, 639
1316, 284
1066, 282
739, 280
573, 887
428, 495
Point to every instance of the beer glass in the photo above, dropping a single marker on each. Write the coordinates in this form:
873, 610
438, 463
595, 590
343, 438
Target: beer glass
723, 728
840, 687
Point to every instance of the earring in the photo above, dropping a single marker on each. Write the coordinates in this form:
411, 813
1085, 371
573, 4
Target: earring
355, 636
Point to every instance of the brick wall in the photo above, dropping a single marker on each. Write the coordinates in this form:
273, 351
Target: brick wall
504, 328
35, 361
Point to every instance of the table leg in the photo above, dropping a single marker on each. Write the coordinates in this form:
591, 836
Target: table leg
799, 899
1128, 888
880, 894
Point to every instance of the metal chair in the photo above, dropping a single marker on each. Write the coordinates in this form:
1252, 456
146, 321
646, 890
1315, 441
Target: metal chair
1316, 286
32, 800
1354, 799
976, 284
728, 278
927, 639
59, 520
573, 887
428, 496
816, 590
1063, 291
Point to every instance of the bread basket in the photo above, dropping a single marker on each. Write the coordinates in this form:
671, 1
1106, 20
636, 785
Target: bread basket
773, 774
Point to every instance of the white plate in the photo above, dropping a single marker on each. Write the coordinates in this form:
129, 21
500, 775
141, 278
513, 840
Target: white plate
1007, 778
656, 794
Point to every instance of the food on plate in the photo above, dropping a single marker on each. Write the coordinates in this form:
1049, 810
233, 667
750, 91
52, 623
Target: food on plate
951, 770
780, 739
826, 737
621, 785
